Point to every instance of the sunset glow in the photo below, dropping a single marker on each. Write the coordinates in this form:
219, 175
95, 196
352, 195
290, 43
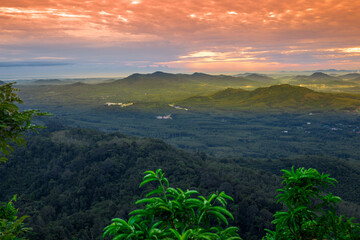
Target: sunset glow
213, 36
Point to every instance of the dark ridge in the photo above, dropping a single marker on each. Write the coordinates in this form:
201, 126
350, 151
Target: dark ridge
278, 97
228, 92
79, 84
198, 74
258, 77
161, 74
319, 74
48, 81
350, 76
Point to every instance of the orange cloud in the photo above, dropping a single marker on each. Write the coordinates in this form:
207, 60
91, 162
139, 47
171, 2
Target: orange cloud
287, 33
190, 18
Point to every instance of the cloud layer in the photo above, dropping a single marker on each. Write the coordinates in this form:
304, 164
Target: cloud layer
217, 35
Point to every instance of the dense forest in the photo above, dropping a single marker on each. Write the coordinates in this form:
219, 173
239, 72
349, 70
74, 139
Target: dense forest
73, 181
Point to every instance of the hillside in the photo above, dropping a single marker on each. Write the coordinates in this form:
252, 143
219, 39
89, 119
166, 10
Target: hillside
356, 80
48, 82
280, 97
261, 78
1, 82
163, 88
320, 81
350, 76
157, 79
154, 87
73, 181
317, 77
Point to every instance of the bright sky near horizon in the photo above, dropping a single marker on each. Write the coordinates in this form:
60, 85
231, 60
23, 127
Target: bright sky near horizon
99, 37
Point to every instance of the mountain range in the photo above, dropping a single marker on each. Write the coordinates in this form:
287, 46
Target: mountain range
350, 76
323, 78
200, 89
260, 78
281, 97
157, 79
157, 86
48, 82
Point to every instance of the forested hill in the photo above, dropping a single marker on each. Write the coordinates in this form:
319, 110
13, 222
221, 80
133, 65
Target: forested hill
162, 79
72, 182
280, 97
154, 87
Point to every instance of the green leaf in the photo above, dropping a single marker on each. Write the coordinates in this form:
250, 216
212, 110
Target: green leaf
218, 216
147, 181
166, 181
146, 200
223, 211
156, 191
222, 194
190, 192
176, 234
150, 175
140, 212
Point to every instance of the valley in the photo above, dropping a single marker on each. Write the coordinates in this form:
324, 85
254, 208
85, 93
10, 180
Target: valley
208, 132
267, 122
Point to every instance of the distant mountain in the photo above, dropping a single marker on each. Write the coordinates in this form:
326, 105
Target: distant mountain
78, 84
157, 87
320, 75
324, 82
333, 70
161, 79
350, 76
317, 77
153, 87
1, 82
259, 77
48, 82
281, 97
163, 86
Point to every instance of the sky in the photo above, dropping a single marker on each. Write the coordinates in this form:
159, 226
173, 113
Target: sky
86, 38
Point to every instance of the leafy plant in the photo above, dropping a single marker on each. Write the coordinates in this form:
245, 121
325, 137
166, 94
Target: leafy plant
171, 213
11, 227
13, 122
310, 212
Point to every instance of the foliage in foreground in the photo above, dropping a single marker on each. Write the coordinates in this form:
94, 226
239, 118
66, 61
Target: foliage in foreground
173, 214
13, 122
11, 227
310, 212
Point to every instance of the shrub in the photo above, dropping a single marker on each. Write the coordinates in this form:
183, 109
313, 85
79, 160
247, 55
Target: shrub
310, 212
171, 213
10, 226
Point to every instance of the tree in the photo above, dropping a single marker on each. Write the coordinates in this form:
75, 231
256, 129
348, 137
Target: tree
173, 214
13, 122
310, 212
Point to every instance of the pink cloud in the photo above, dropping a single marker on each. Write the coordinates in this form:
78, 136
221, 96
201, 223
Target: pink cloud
273, 26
